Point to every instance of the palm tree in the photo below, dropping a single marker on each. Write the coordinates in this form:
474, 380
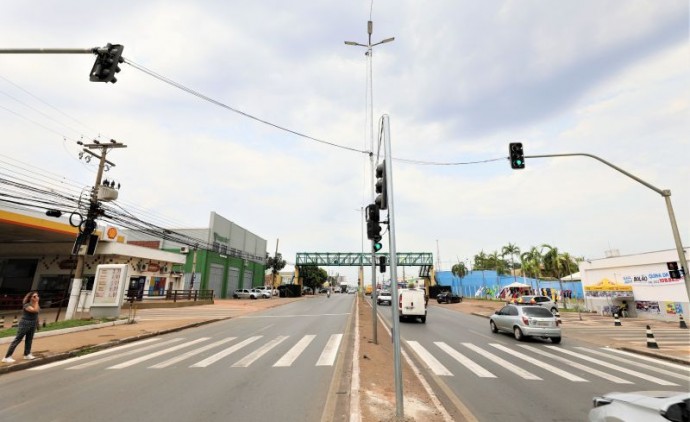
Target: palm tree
551, 262
480, 261
459, 271
511, 250
533, 259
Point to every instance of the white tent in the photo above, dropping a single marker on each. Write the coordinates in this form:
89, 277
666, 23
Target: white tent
572, 277
516, 284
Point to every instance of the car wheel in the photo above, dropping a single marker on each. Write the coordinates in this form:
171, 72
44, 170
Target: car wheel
494, 328
423, 319
252, 297
554, 311
401, 318
555, 340
460, 301
235, 296
518, 334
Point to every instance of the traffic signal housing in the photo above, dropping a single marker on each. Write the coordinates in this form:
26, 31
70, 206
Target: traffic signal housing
381, 186
673, 270
517, 156
373, 227
382, 264
106, 65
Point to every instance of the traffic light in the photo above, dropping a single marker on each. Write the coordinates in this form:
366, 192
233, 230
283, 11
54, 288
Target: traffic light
106, 65
381, 187
382, 264
373, 227
673, 270
517, 157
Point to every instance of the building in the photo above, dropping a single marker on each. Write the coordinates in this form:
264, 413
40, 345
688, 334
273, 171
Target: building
227, 256
643, 281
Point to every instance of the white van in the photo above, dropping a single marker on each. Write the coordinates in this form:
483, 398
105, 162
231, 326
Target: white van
412, 304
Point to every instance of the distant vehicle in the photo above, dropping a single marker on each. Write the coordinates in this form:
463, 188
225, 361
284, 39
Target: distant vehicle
324, 290
448, 297
351, 290
384, 296
265, 292
412, 304
526, 321
544, 301
307, 291
368, 290
648, 406
246, 294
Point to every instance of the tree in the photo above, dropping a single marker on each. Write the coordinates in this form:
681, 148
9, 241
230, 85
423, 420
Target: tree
532, 261
480, 261
459, 270
312, 276
274, 264
552, 263
511, 250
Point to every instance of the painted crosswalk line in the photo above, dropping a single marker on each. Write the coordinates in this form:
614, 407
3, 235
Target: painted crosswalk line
637, 365
431, 362
224, 353
127, 353
465, 361
502, 362
330, 352
191, 353
296, 350
156, 354
540, 364
675, 366
252, 357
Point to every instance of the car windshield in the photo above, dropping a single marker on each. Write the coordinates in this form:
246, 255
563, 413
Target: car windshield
538, 312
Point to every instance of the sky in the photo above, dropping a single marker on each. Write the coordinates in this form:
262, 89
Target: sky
461, 80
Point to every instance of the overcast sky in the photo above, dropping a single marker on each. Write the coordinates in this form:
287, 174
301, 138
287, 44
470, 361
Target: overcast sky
460, 82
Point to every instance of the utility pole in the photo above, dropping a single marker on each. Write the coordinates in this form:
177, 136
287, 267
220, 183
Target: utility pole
88, 226
273, 272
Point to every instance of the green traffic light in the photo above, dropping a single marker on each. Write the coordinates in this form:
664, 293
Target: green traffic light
378, 246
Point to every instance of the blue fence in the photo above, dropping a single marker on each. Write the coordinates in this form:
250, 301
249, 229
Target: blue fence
481, 283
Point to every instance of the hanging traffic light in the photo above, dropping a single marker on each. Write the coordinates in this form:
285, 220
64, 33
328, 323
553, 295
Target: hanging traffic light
373, 227
381, 187
106, 65
517, 157
382, 264
673, 270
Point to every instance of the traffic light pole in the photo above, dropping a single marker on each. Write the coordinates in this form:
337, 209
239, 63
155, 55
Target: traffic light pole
665, 193
397, 368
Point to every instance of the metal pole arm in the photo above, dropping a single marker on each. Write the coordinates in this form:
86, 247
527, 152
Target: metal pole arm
93, 50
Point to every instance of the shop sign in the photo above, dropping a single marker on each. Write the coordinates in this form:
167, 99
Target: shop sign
660, 278
68, 264
153, 267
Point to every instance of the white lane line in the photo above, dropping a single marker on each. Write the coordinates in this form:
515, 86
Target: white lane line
502, 362
190, 354
464, 360
91, 355
612, 366
649, 359
156, 354
252, 357
637, 365
540, 364
329, 353
604, 375
296, 350
291, 316
220, 355
433, 364
130, 352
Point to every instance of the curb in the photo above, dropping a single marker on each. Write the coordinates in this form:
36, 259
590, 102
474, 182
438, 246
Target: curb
50, 333
20, 365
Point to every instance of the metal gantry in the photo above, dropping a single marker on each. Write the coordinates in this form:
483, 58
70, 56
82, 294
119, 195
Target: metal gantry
355, 259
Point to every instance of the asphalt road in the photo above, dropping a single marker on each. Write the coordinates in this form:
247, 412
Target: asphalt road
497, 377
273, 365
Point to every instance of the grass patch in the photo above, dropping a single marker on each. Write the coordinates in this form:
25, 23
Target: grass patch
11, 332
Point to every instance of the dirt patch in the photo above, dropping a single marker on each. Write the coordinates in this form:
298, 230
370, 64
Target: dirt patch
377, 378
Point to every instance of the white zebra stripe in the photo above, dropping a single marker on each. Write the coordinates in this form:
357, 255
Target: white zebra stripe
433, 364
329, 353
156, 354
502, 362
294, 353
462, 359
252, 357
191, 353
220, 355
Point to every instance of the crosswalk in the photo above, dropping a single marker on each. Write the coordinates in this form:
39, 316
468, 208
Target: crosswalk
535, 362
156, 353
669, 338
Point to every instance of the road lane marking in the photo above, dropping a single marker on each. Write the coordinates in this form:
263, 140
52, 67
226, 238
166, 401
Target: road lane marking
464, 360
220, 355
252, 357
637, 365
329, 353
612, 366
191, 353
502, 362
433, 364
291, 316
540, 364
91, 355
294, 353
130, 352
156, 354
604, 375
649, 359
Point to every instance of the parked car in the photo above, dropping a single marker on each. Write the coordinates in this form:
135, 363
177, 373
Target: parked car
526, 321
323, 290
264, 292
246, 294
648, 406
412, 304
544, 301
448, 297
307, 291
384, 296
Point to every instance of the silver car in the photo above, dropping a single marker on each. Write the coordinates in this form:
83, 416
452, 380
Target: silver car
645, 406
526, 321
544, 301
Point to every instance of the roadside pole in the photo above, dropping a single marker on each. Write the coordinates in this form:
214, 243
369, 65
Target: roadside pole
397, 368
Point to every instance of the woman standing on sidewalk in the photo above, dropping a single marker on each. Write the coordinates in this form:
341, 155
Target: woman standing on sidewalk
27, 327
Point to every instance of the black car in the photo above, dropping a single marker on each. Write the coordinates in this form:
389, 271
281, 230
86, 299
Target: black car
448, 297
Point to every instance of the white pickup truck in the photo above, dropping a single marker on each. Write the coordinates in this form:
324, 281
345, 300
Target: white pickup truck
412, 304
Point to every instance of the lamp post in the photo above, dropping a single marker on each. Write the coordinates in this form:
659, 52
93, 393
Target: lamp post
370, 54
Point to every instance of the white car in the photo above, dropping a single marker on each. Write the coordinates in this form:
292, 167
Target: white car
648, 406
412, 304
246, 294
265, 292
384, 296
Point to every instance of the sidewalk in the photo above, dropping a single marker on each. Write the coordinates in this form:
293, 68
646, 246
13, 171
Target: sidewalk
594, 328
49, 346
